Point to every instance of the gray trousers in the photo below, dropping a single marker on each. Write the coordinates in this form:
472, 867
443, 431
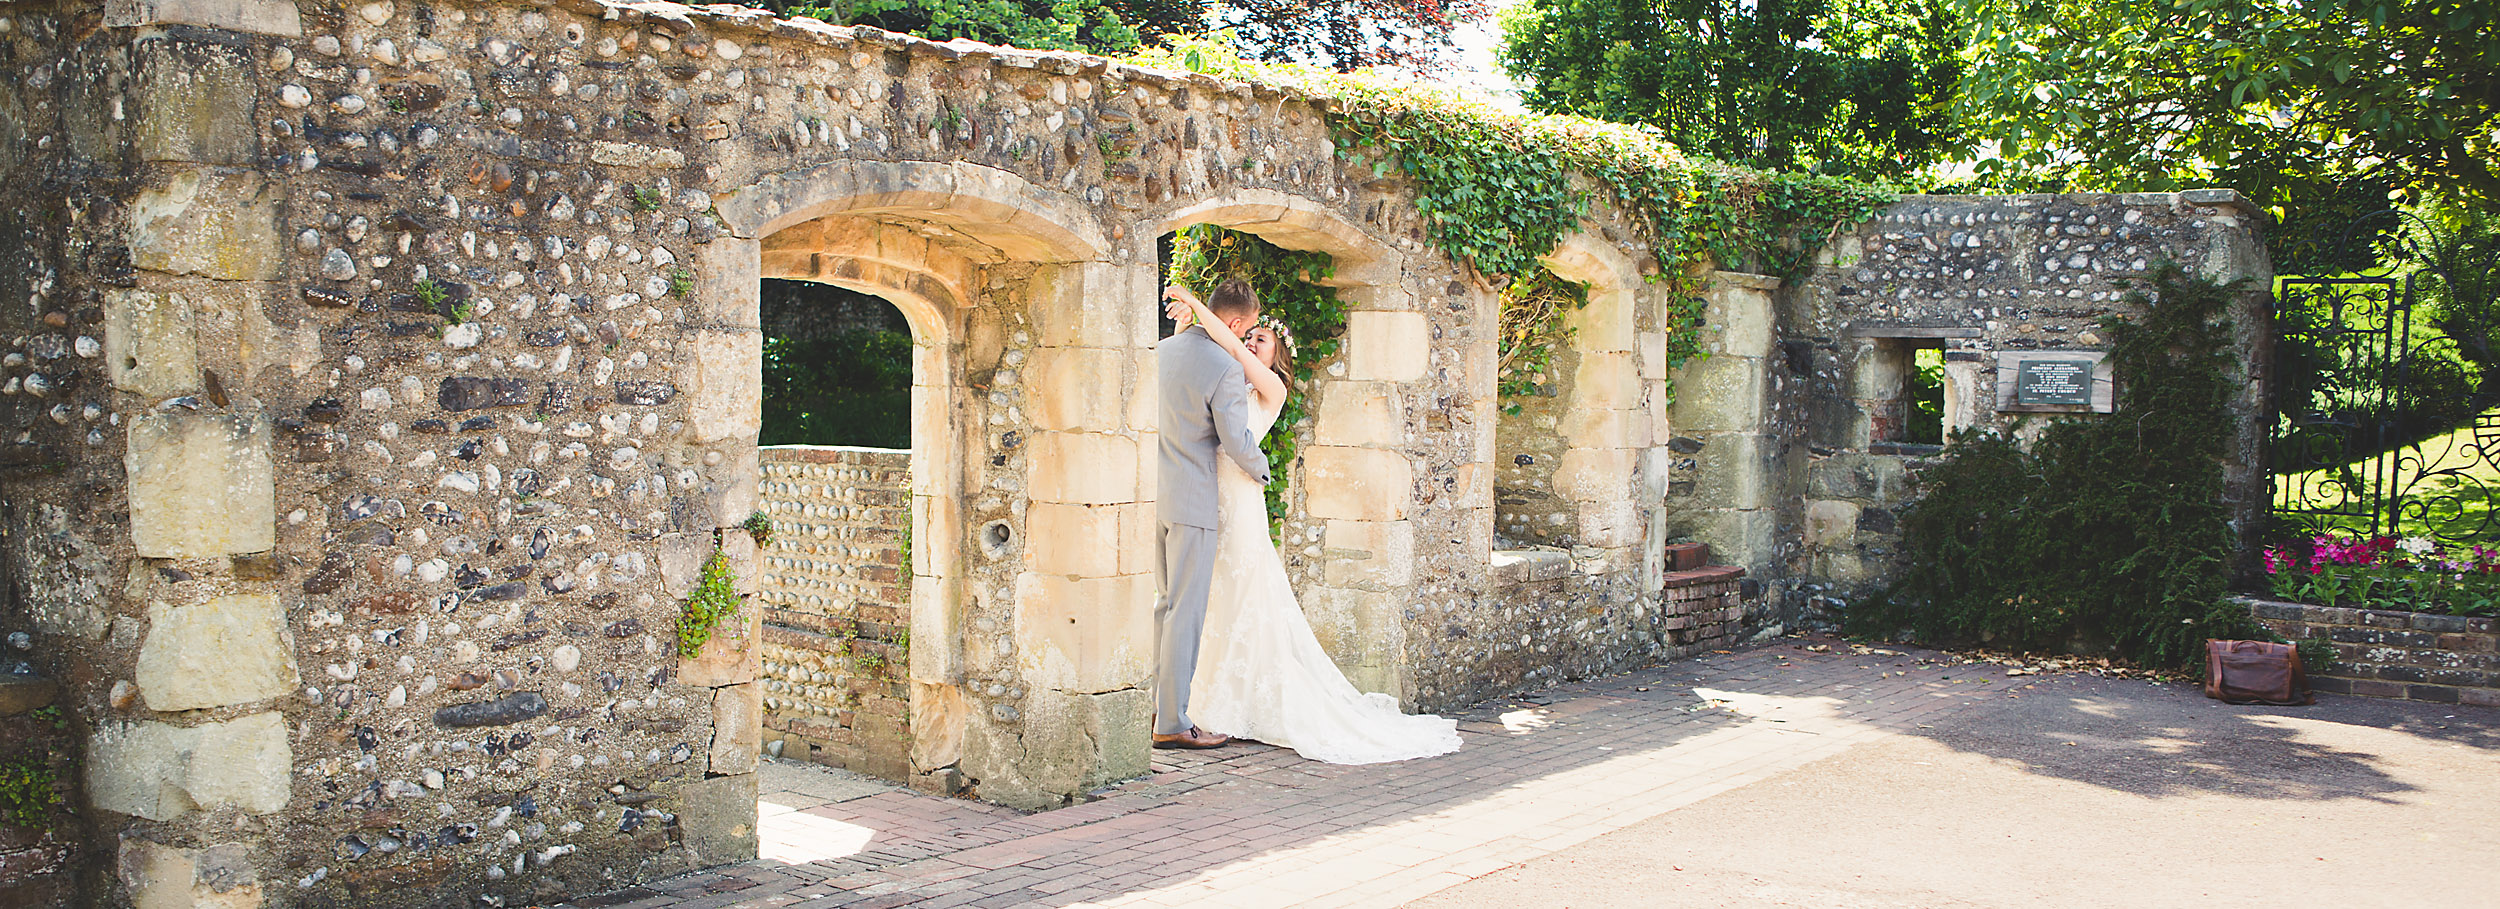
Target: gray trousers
1184, 569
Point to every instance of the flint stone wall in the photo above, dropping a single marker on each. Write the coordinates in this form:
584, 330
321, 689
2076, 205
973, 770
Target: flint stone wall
409, 354
1986, 279
836, 597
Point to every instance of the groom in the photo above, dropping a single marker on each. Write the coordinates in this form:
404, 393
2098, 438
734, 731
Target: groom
1204, 411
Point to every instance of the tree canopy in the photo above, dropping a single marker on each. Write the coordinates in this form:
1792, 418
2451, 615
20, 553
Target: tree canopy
1858, 89
2290, 101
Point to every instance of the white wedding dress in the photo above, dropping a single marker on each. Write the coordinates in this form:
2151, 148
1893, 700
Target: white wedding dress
1261, 673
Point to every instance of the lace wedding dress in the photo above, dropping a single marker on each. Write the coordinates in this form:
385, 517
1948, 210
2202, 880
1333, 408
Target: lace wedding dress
1261, 673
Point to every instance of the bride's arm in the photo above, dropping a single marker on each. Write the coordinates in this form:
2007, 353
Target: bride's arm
1179, 302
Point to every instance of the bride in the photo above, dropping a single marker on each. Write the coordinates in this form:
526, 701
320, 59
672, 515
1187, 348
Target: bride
1261, 673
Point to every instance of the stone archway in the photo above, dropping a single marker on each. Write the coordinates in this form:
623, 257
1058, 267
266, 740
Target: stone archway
1357, 481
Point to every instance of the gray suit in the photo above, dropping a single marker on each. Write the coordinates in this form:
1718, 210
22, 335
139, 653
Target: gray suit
1203, 410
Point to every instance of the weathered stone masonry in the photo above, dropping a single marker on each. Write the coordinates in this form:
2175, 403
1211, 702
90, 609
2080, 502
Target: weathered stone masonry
381, 375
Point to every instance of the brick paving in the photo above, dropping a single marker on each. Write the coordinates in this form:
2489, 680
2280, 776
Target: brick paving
1253, 826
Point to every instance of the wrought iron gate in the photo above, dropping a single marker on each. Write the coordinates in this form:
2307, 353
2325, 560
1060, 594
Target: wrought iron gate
2387, 390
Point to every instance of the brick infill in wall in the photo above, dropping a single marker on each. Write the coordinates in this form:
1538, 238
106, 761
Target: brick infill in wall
2416, 656
1705, 605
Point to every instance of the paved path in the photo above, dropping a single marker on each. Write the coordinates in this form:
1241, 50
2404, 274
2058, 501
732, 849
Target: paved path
1565, 797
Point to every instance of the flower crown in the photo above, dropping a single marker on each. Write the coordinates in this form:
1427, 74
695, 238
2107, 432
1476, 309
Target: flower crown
1284, 336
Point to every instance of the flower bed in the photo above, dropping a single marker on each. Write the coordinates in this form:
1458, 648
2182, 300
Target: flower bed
2412, 574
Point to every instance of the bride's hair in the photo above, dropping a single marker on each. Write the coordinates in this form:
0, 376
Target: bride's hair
1283, 367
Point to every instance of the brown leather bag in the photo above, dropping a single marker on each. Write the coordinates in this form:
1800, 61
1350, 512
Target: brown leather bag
2255, 672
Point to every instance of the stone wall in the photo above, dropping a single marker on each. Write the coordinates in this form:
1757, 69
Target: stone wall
836, 599
2443, 659
405, 357
1989, 280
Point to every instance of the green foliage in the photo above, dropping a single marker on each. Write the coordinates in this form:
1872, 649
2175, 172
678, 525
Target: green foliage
680, 283
1205, 256
1925, 395
2109, 531
2317, 655
713, 600
28, 791
846, 388
2287, 100
646, 198
1859, 88
1499, 190
904, 569
760, 526
1092, 26
1535, 309
2410, 574
433, 295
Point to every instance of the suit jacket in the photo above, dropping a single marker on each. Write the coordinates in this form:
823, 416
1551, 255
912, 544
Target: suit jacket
1203, 409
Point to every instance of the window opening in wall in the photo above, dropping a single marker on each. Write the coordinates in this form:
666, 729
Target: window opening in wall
1924, 393
837, 367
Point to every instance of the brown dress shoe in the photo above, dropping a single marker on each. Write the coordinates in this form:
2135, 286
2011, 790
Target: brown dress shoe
1194, 739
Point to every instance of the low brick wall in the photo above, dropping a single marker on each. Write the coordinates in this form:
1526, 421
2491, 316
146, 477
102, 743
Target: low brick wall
1705, 606
836, 599
2412, 655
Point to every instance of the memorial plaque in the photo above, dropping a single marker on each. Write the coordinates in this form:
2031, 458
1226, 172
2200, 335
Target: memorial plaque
2053, 382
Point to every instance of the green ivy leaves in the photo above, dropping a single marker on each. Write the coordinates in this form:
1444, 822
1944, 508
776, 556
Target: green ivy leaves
714, 598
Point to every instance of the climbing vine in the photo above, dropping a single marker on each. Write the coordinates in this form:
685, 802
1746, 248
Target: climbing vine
1205, 255
1535, 308
27, 791
1499, 190
714, 599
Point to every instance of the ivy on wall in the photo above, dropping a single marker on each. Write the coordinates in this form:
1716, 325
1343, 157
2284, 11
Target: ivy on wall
1535, 308
714, 599
1499, 190
1205, 256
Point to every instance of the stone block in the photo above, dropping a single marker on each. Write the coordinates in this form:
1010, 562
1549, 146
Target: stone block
717, 818
1831, 522
151, 348
1360, 414
1746, 537
1719, 394
229, 650
1142, 415
1085, 634
1739, 315
1139, 528
937, 725
936, 629
1369, 555
1077, 389
1093, 304
737, 728
1078, 540
195, 102
212, 223
1605, 325
200, 484
729, 487
1611, 524
1596, 427
727, 283
733, 656
724, 385
1364, 633
1653, 354
937, 522
261, 17
1606, 381
158, 876
1084, 468
1387, 346
1596, 474
161, 771
1529, 566
1732, 470
1357, 484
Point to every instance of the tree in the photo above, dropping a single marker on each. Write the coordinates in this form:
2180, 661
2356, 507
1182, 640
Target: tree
1340, 34
2295, 102
1856, 89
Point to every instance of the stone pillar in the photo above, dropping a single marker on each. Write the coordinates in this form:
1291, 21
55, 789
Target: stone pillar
1359, 481
1720, 417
